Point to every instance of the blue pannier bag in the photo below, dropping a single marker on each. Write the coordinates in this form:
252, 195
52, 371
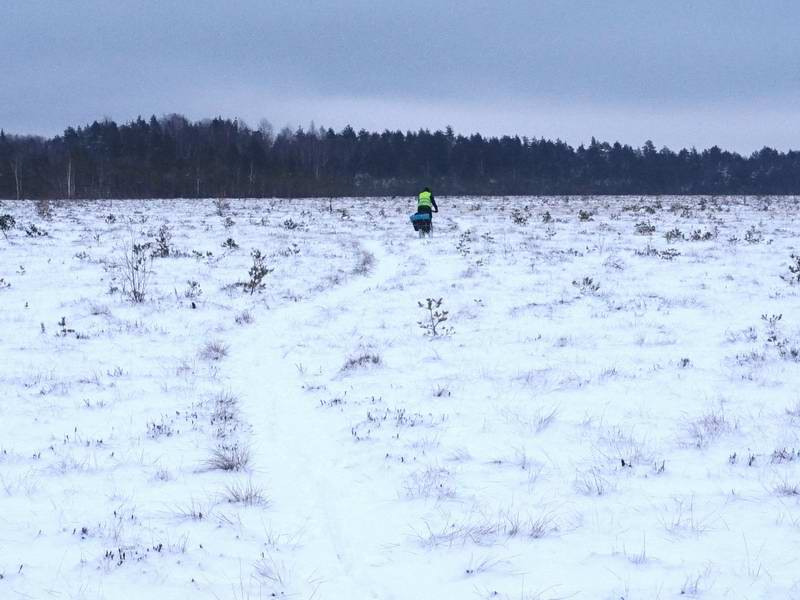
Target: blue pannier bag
420, 217
421, 222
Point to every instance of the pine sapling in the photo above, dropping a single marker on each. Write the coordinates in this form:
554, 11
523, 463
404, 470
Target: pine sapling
163, 238
793, 276
257, 272
432, 323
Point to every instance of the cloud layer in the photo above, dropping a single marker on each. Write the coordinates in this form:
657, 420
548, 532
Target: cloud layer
682, 73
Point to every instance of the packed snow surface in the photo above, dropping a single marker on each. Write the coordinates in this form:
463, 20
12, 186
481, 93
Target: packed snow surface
610, 409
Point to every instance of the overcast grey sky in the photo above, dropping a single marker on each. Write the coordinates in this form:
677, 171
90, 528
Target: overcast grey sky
680, 72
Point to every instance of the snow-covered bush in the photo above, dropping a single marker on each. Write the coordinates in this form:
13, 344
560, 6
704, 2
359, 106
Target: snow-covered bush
193, 290
793, 276
7, 223
136, 270
464, 241
365, 263
290, 224
43, 209
587, 285
753, 235
221, 205
698, 235
34, 231
163, 238
673, 234
519, 217
645, 228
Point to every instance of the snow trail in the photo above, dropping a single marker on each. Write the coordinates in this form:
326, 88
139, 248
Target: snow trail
304, 458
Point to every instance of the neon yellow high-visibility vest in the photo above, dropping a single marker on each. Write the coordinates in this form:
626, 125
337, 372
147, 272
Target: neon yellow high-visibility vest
424, 200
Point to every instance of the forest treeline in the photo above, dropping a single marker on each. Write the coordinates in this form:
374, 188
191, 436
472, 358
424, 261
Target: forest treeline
172, 157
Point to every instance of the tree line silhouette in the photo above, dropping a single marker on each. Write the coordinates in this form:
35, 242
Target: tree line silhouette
173, 157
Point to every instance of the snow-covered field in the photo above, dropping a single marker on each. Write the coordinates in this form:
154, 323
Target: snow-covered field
605, 413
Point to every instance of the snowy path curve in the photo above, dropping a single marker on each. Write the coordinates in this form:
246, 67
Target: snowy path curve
298, 448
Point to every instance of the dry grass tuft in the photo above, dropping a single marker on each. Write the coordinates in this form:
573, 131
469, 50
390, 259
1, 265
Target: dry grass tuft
245, 493
228, 458
214, 350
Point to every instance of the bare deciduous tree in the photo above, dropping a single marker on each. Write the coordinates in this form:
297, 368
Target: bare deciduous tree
16, 168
